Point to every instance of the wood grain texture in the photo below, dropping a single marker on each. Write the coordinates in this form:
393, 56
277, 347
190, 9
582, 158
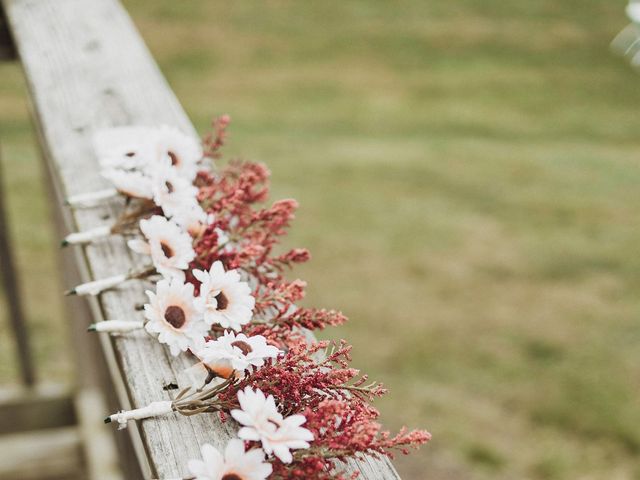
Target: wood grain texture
45, 455
87, 68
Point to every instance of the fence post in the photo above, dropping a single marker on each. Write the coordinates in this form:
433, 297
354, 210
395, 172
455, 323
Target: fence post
11, 286
7, 48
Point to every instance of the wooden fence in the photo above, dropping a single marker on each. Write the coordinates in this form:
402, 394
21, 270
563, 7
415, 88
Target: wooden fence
87, 68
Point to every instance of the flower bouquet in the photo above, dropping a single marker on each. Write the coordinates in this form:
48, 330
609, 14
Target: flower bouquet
219, 295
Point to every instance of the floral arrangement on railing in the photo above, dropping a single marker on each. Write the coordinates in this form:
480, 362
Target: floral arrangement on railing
221, 297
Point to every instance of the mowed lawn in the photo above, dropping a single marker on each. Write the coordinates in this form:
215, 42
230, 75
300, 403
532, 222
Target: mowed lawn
469, 180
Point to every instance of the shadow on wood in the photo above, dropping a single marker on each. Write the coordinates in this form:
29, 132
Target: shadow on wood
7, 48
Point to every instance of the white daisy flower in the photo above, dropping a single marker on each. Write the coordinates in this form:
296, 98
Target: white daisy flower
289, 436
170, 248
233, 352
236, 464
191, 217
633, 11
227, 300
126, 147
176, 316
183, 151
131, 183
137, 147
262, 422
172, 192
256, 412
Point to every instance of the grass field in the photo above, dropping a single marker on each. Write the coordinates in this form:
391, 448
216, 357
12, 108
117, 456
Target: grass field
468, 174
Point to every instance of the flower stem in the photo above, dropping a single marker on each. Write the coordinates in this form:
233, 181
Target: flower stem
116, 326
98, 286
91, 198
87, 236
154, 409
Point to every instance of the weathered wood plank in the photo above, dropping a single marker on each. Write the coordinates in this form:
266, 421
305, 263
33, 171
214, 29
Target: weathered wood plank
49, 455
93, 386
43, 407
87, 68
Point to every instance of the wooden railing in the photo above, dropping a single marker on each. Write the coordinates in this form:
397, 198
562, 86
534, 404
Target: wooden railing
87, 68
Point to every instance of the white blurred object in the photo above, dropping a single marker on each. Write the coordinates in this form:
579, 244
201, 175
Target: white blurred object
195, 377
87, 236
125, 147
633, 11
90, 198
627, 42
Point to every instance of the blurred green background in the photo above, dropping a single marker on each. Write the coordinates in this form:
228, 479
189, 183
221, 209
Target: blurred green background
468, 176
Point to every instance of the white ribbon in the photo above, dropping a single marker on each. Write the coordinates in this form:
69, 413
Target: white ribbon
97, 286
154, 409
117, 326
91, 198
87, 236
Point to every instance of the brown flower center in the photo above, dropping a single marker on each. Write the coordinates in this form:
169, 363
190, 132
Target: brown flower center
167, 250
175, 316
222, 301
272, 421
244, 347
169, 186
174, 158
231, 476
130, 154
